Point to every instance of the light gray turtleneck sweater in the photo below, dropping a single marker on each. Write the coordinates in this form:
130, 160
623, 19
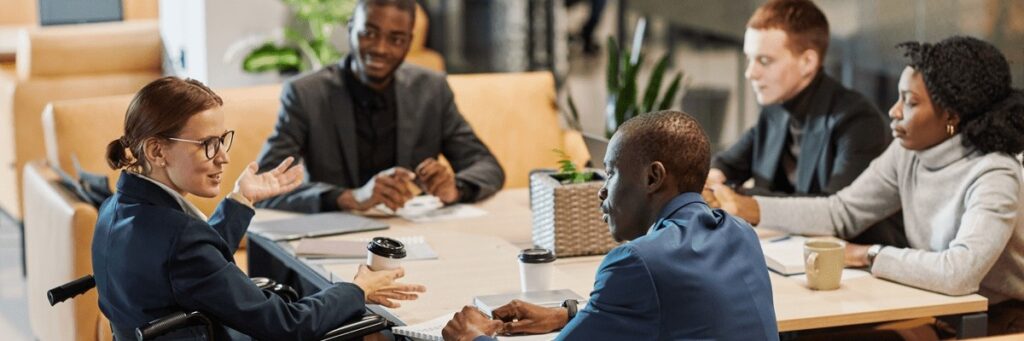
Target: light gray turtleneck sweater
962, 211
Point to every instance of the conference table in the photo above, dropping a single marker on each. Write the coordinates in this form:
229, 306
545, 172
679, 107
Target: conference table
478, 256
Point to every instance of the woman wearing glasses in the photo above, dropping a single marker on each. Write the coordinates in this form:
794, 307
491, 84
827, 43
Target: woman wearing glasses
154, 253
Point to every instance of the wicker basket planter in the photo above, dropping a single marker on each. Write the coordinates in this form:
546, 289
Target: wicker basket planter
567, 218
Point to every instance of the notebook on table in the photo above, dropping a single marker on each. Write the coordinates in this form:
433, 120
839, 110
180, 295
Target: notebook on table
547, 298
785, 254
315, 225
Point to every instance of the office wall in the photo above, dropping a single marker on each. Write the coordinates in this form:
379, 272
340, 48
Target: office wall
198, 35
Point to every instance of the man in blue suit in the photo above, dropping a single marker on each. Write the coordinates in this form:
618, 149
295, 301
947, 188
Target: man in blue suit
686, 272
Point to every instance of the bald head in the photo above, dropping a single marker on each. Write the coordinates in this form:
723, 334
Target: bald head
673, 138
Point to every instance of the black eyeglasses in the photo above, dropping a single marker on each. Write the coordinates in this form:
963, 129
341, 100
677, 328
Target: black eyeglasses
212, 145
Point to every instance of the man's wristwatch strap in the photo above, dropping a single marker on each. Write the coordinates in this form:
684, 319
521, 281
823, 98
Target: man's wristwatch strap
571, 305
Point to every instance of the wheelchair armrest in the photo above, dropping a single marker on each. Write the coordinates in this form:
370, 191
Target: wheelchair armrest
282, 290
358, 327
171, 322
70, 289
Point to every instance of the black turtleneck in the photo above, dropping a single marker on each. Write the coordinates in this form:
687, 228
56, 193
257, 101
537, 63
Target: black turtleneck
798, 108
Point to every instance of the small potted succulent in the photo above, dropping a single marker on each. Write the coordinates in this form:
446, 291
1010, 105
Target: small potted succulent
567, 211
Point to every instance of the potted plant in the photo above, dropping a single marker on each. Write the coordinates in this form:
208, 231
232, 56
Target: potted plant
307, 50
567, 210
622, 72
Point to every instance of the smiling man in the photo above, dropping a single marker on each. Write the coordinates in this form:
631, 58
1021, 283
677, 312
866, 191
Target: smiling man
369, 128
686, 271
813, 136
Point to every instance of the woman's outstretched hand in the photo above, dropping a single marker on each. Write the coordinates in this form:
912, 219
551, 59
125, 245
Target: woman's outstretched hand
281, 179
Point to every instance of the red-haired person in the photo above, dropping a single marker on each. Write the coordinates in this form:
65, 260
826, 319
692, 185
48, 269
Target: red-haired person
813, 136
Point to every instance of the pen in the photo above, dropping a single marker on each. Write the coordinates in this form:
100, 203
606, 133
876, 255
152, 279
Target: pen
779, 239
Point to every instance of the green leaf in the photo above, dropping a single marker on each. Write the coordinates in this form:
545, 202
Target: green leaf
612, 77
575, 115
568, 173
670, 94
627, 100
654, 85
270, 57
611, 111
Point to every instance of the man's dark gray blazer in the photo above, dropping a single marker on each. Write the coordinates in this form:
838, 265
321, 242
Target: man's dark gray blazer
316, 124
841, 136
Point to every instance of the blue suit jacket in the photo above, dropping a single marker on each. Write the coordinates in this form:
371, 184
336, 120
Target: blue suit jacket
150, 259
698, 274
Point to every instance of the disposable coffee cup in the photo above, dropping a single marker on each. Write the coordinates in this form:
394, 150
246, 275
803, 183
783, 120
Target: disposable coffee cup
824, 262
535, 267
384, 253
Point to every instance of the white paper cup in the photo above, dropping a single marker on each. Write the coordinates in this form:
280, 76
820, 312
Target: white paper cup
384, 253
535, 267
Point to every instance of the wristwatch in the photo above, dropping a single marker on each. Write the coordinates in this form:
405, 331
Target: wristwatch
872, 252
571, 306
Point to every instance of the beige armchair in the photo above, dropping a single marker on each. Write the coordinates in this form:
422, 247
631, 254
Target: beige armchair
58, 249
516, 116
108, 59
419, 54
25, 12
84, 127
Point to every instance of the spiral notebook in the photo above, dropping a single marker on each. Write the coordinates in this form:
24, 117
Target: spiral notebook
431, 331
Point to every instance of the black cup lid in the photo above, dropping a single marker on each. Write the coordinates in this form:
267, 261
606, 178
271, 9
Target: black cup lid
386, 247
536, 255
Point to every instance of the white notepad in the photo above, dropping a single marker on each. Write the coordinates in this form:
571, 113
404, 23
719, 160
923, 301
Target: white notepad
430, 330
547, 298
784, 255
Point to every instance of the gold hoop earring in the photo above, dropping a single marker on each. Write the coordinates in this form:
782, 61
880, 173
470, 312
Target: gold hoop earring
950, 129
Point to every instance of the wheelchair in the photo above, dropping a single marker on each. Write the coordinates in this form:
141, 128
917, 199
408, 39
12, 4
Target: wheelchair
354, 329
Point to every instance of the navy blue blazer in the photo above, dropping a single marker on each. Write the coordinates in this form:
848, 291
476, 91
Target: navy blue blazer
698, 274
151, 259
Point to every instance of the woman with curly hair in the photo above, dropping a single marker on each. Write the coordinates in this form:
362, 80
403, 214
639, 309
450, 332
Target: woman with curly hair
959, 126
